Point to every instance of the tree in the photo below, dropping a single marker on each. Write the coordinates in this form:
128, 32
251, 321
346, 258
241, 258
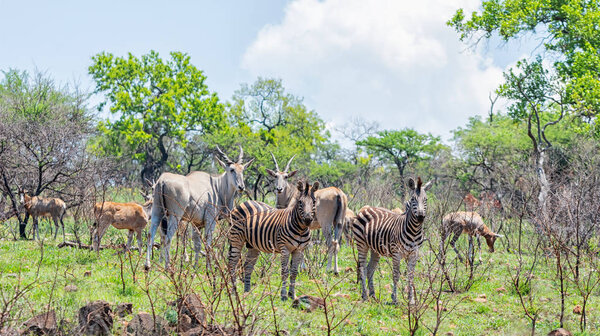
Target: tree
542, 95
159, 104
264, 118
44, 129
401, 148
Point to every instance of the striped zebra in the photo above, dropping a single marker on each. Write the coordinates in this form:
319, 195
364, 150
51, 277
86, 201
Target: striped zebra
262, 228
390, 234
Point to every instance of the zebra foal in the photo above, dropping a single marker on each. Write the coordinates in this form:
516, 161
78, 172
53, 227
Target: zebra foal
390, 234
262, 228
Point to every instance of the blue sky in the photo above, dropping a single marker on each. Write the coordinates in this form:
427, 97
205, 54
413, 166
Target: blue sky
393, 62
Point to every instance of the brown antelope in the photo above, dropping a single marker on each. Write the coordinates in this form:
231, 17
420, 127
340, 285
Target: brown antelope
471, 223
123, 216
348, 226
54, 208
331, 205
198, 198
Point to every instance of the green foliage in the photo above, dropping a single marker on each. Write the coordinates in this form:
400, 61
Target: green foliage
155, 101
570, 31
264, 118
401, 147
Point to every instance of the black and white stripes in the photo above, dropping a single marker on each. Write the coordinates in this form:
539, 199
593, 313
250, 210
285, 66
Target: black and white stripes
262, 228
389, 234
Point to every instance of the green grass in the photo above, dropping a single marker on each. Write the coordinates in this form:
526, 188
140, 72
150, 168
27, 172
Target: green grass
500, 315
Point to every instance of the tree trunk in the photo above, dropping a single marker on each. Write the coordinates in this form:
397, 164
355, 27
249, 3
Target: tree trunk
544, 184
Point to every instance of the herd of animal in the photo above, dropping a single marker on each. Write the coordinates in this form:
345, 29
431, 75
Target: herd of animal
203, 200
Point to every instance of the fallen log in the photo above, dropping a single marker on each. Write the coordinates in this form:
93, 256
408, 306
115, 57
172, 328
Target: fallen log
102, 247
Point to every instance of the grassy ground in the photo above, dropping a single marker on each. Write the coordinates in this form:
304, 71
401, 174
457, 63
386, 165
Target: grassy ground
500, 314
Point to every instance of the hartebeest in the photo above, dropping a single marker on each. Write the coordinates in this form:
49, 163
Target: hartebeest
331, 204
471, 223
123, 216
198, 198
54, 208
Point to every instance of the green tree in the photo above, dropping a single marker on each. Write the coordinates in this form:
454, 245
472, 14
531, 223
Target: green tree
264, 118
401, 148
159, 104
543, 95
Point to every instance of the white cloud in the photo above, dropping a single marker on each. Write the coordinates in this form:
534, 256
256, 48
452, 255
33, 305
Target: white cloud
395, 62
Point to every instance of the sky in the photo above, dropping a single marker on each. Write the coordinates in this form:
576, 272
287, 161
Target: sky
393, 62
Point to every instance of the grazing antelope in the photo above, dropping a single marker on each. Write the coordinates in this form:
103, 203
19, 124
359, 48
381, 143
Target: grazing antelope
389, 234
123, 216
470, 223
331, 205
54, 208
262, 228
198, 198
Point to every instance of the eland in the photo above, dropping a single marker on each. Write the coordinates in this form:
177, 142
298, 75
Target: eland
198, 198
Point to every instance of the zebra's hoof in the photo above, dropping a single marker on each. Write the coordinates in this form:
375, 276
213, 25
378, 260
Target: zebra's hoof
284, 298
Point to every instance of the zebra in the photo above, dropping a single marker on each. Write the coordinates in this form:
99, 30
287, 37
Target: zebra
262, 228
471, 223
390, 234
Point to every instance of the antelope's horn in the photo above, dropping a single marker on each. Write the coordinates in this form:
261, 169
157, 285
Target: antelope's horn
275, 161
241, 155
224, 156
288, 164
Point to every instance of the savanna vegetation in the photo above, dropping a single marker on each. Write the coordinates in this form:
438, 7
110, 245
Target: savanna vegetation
532, 170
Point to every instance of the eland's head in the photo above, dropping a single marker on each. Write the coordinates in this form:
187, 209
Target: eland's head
234, 170
280, 176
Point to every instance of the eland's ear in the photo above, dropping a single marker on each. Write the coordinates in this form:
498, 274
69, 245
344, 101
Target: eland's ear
411, 184
247, 164
315, 186
292, 173
223, 164
300, 186
428, 185
271, 172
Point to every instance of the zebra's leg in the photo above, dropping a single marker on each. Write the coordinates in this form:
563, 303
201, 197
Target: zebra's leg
297, 257
362, 274
371, 270
129, 240
395, 277
453, 243
233, 258
410, 275
285, 261
251, 258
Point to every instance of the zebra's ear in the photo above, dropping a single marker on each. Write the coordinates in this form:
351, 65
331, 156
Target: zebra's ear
411, 184
300, 186
428, 185
315, 186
